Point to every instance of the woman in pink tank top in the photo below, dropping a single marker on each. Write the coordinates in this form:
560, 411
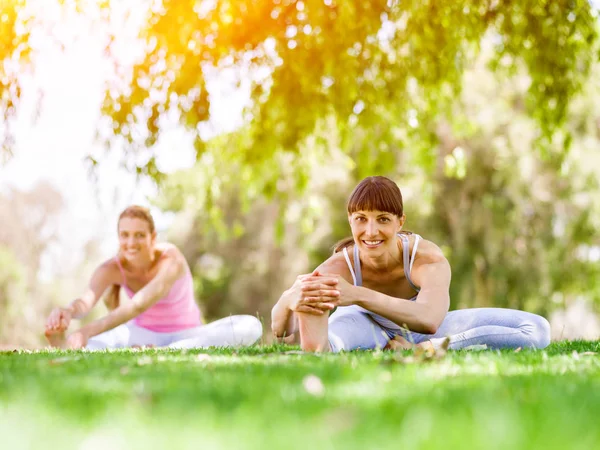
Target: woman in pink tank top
159, 308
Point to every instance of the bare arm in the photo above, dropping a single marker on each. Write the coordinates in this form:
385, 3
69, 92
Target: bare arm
102, 278
427, 312
431, 272
170, 270
59, 319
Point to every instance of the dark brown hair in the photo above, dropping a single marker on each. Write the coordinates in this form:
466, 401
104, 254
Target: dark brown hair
138, 212
371, 194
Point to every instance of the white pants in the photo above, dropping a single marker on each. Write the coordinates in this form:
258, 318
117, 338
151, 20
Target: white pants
228, 332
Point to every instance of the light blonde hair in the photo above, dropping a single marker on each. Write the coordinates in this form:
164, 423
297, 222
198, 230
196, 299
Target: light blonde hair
138, 212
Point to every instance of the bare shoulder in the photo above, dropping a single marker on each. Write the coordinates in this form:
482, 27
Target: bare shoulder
168, 251
430, 264
427, 252
336, 264
108, 271
170, 256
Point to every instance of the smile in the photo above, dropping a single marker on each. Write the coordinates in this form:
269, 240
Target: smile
372, 243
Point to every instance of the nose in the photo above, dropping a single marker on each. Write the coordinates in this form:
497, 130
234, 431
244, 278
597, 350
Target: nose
372, 228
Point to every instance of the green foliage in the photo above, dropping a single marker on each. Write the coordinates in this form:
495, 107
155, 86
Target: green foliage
369, 66
496, 160
264, 397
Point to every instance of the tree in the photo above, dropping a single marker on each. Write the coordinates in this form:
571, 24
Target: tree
517, 229
29, 226
368, 66
375, 87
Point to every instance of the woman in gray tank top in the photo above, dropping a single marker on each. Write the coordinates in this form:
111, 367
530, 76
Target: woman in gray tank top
389, 286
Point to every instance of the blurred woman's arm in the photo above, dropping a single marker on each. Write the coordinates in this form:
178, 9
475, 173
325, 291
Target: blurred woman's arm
169, 271
60, 318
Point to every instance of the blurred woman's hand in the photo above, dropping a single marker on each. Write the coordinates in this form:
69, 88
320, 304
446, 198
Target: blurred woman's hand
58, 320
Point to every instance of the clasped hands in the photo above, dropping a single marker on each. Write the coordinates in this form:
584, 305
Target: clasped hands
318, 293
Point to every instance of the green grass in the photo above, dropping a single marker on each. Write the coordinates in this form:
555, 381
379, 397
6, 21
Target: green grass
257, 398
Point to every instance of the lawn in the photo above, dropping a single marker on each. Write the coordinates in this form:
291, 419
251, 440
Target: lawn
275, 397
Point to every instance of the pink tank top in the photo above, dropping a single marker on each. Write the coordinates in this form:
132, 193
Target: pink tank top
175, 312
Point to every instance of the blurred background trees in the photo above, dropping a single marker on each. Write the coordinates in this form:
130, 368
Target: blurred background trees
485, 113
28, 231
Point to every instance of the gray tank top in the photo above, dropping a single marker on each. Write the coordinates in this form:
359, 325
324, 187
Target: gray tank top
407, 259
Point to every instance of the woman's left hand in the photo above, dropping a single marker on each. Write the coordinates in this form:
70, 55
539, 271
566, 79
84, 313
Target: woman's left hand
347, 291
77, 340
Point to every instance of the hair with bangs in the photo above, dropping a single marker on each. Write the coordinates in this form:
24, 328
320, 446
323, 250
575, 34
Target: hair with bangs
373, 194
376, 194
138, 212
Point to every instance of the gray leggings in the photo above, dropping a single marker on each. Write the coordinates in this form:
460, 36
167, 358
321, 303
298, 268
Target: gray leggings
352, 327
230, 331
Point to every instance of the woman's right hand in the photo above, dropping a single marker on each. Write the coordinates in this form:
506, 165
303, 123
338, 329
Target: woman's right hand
314, 293
59, 320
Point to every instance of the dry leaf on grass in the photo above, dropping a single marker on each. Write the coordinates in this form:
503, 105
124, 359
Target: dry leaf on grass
423, 353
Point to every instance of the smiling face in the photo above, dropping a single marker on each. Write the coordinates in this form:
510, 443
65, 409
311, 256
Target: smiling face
376, 214
375, 231
136, 240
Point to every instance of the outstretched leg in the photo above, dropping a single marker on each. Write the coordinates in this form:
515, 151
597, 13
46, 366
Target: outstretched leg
123, 336
493, 327
233, 331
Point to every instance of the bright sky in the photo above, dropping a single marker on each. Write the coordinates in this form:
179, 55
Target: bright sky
53, 148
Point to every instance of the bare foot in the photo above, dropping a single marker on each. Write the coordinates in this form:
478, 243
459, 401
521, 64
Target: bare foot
313, 332
56, 338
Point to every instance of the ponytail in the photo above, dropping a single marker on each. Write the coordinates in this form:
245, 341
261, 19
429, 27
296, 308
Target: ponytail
340, 245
